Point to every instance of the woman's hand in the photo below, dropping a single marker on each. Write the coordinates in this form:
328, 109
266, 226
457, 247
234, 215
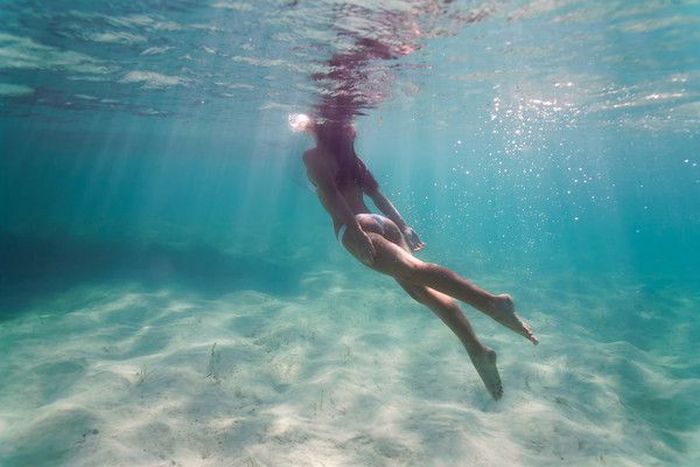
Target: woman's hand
412, 238
361, 245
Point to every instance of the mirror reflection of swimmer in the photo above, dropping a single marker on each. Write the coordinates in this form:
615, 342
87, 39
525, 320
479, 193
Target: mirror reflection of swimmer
385, 243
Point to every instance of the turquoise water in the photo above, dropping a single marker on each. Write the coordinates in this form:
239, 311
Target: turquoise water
171, 292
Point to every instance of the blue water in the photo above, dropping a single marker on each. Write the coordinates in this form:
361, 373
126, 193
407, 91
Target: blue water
171, 290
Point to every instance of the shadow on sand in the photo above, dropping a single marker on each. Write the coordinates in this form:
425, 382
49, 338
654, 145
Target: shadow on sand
32, 268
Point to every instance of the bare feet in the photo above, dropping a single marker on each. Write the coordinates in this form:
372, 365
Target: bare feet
504, 312
485, 363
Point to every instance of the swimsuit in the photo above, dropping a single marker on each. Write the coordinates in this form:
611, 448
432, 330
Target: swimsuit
341, 231
378, 218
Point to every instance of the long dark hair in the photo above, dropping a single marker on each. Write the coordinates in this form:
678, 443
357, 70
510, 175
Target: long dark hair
340, 138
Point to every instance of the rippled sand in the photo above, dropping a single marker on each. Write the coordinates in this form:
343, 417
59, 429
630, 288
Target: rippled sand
340, 375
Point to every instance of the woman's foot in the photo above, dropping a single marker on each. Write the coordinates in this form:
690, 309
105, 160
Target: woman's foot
485, 363
503, 311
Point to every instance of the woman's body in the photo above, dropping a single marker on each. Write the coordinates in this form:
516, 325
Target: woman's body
385, 243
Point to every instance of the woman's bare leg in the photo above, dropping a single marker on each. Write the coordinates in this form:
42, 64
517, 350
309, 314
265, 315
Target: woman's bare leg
483, 357
391, 259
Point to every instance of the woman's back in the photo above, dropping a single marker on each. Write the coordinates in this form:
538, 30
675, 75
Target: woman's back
351, 176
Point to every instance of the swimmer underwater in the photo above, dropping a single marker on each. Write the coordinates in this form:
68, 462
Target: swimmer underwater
386, 243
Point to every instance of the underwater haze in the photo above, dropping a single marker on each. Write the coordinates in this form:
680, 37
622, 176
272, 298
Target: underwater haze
171, 290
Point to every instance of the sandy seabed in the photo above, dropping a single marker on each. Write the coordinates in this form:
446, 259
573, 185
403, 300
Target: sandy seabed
341, 374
